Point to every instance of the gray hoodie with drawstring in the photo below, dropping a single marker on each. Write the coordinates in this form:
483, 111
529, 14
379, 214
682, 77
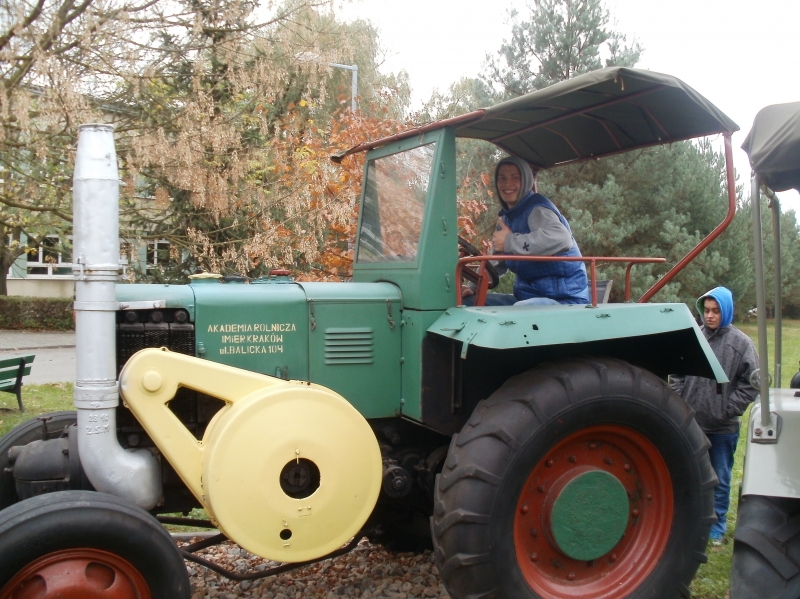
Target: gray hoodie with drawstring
718, 407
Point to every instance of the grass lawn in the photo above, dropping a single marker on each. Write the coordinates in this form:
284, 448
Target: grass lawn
37, 399
712, 580
790, 353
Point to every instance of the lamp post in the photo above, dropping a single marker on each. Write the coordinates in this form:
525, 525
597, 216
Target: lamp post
353, 68
354, 85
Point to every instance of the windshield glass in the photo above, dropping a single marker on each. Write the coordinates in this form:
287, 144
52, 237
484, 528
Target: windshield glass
394, 206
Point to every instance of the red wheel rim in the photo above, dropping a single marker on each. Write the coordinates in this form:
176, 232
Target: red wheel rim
77, 574
633, 461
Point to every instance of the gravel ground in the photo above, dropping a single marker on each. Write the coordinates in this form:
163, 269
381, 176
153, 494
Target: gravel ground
367, 572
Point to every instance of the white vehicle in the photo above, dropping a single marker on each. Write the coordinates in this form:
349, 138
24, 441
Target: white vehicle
766, 551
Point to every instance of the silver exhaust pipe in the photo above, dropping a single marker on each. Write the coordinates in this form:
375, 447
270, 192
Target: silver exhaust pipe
132, 474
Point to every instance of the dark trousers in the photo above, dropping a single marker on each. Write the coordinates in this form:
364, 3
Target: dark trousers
723, 447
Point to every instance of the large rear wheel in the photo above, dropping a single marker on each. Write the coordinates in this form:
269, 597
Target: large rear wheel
766, 548
580, 478
87, 545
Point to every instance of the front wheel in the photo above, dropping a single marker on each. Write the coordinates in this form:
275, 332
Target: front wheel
766, 548
87, 545
580, 478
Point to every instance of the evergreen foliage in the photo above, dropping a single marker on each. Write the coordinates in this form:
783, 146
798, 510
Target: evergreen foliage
559, 39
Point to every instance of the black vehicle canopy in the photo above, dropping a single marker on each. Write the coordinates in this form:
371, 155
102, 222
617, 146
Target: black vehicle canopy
604, 112
773, 146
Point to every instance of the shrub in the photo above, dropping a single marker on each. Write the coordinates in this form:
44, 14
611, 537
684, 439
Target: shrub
48, 313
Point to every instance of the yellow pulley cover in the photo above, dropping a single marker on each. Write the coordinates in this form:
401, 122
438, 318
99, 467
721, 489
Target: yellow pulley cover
288, 470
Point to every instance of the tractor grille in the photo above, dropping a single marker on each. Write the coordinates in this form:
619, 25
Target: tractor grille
133, 337
349, 346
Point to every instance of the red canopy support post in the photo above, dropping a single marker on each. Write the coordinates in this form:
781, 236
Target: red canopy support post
711, 236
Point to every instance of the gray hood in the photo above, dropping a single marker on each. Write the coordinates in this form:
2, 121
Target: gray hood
525, 173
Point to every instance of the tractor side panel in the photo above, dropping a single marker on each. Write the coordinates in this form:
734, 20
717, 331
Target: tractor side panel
355, 343
261, 328
425, 371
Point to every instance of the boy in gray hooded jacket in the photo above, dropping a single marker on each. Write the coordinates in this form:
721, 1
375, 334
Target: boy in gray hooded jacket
718, 407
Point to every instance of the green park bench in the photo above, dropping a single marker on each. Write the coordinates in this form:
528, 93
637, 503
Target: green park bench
11, 372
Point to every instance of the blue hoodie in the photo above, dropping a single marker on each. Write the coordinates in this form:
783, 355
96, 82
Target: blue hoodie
724, 297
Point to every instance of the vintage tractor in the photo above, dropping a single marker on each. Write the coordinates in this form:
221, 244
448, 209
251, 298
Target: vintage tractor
766, 549
539, 447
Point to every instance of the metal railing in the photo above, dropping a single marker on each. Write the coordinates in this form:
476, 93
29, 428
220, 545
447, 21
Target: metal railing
480, 295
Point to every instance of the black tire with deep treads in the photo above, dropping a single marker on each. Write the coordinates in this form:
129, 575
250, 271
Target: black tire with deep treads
506, 436
22, 434
65, 520
766, 549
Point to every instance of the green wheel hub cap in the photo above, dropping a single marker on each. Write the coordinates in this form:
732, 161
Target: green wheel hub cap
590, 515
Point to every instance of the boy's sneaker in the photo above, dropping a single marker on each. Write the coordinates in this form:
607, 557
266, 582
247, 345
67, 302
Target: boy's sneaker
716, 543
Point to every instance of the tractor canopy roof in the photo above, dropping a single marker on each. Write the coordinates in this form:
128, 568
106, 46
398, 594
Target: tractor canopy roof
773, 146
601, 113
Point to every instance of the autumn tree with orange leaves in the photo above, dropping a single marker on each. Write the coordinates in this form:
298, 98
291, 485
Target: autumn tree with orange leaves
226, 153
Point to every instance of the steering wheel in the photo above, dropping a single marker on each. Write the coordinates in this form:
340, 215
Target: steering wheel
465, 248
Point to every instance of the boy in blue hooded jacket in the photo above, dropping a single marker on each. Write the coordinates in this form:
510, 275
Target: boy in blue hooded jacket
718, 407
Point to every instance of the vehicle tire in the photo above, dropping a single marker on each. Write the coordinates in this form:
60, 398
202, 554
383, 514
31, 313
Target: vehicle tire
580, 478
46, 426
89, 545
766, 549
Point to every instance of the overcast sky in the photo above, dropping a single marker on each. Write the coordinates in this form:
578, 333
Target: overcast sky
741, 54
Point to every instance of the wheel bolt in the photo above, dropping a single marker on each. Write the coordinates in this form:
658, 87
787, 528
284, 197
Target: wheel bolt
525, 509
571, 575
573, 459
534, 557
612, 558
627, 467
592, 445
649, 497
635, 513
541, 488
549, 463
534, 533
609, 461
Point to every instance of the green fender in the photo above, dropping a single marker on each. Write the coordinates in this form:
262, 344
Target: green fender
663, 338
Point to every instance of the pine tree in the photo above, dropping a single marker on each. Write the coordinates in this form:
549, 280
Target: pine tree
558, 40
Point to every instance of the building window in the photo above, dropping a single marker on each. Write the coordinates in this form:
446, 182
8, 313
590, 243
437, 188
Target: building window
47, 259
157, 253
